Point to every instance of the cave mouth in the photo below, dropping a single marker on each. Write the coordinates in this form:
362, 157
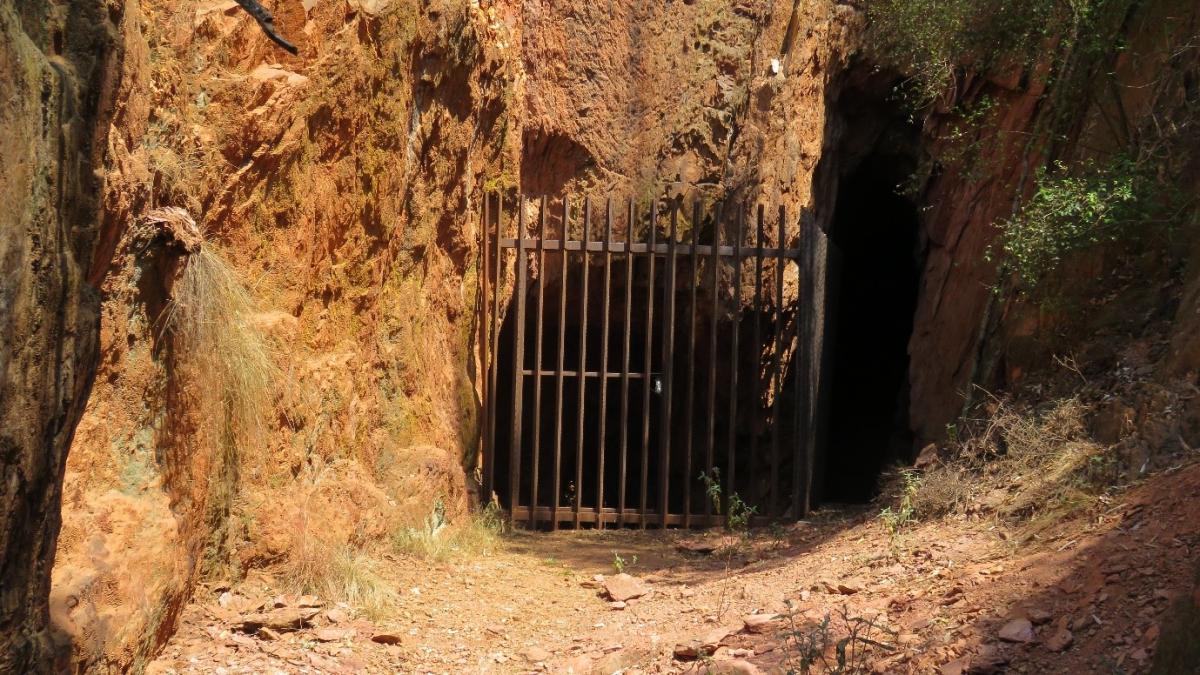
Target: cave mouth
875, 277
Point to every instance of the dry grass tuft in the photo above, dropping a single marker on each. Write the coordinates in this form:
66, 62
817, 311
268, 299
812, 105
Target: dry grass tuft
438, 540
1020, 463
210, 319
340, 574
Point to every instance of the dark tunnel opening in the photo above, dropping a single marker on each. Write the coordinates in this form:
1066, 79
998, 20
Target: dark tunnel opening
875, 280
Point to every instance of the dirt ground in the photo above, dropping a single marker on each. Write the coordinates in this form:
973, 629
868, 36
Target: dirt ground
958, 595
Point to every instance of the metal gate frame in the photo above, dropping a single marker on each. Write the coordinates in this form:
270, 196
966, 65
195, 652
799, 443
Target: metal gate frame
495, 248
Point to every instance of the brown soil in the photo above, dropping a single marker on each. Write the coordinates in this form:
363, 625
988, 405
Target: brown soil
944, 589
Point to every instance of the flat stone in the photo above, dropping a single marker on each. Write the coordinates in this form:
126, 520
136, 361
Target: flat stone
536, 655
1017, 630
706, 645
623, 587
761, 623
333, 634
287, 618
927, 457
1060, 640
386, 638
701, 546
1039, 616
731, 667
850, 586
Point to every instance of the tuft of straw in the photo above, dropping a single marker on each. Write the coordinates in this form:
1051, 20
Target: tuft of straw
210, 318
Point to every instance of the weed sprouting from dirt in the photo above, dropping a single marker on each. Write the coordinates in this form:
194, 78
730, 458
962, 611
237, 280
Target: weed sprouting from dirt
738, 515
619, 563
438, 539
807, 647
898, 516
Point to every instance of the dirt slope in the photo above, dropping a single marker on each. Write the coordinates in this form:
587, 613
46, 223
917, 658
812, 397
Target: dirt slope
1091, 594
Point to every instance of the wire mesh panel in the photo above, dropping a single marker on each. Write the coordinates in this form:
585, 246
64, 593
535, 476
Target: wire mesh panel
643, 364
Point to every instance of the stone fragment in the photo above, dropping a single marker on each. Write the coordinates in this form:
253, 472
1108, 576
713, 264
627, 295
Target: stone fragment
706, 645
623, 587
731, 667
386, 638
1039, 616
1017, 630
851, 586
1060, 640
700, 546
287, 618
761, 623
536, 655
333, 634
309, 601
337, 616
927, 457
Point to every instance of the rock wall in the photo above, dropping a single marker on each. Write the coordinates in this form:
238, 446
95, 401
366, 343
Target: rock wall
57, 62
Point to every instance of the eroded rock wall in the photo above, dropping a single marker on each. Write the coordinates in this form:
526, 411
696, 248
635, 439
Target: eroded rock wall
56, 72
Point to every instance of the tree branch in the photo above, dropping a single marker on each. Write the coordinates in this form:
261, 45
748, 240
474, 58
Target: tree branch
267, 22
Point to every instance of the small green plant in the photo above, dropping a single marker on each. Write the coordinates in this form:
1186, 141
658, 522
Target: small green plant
738, 516
807, 647
778, 535
619, 564
738, 513
895, 518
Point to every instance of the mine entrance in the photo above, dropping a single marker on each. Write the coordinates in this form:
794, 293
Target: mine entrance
875, 232
630, 348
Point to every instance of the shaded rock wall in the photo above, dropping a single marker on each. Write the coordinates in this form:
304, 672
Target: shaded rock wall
57, 62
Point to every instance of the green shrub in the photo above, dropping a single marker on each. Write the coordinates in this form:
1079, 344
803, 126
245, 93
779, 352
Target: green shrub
1077, 208
929, 40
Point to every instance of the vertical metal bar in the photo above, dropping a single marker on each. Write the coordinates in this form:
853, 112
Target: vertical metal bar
689, 434
604, 329
668, 343
756, 411
581, 403
626, 328
648, 362
558, 369
485, 342
537, 366
731, 468
808, 239
714, 261
514, 467
489, 479
776, 370
799, 376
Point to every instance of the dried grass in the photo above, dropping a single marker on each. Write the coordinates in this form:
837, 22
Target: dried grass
210, 318
1020, 463
340, 574
437, 540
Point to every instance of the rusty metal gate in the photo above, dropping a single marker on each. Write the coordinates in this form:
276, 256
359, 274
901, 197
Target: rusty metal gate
641, 364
